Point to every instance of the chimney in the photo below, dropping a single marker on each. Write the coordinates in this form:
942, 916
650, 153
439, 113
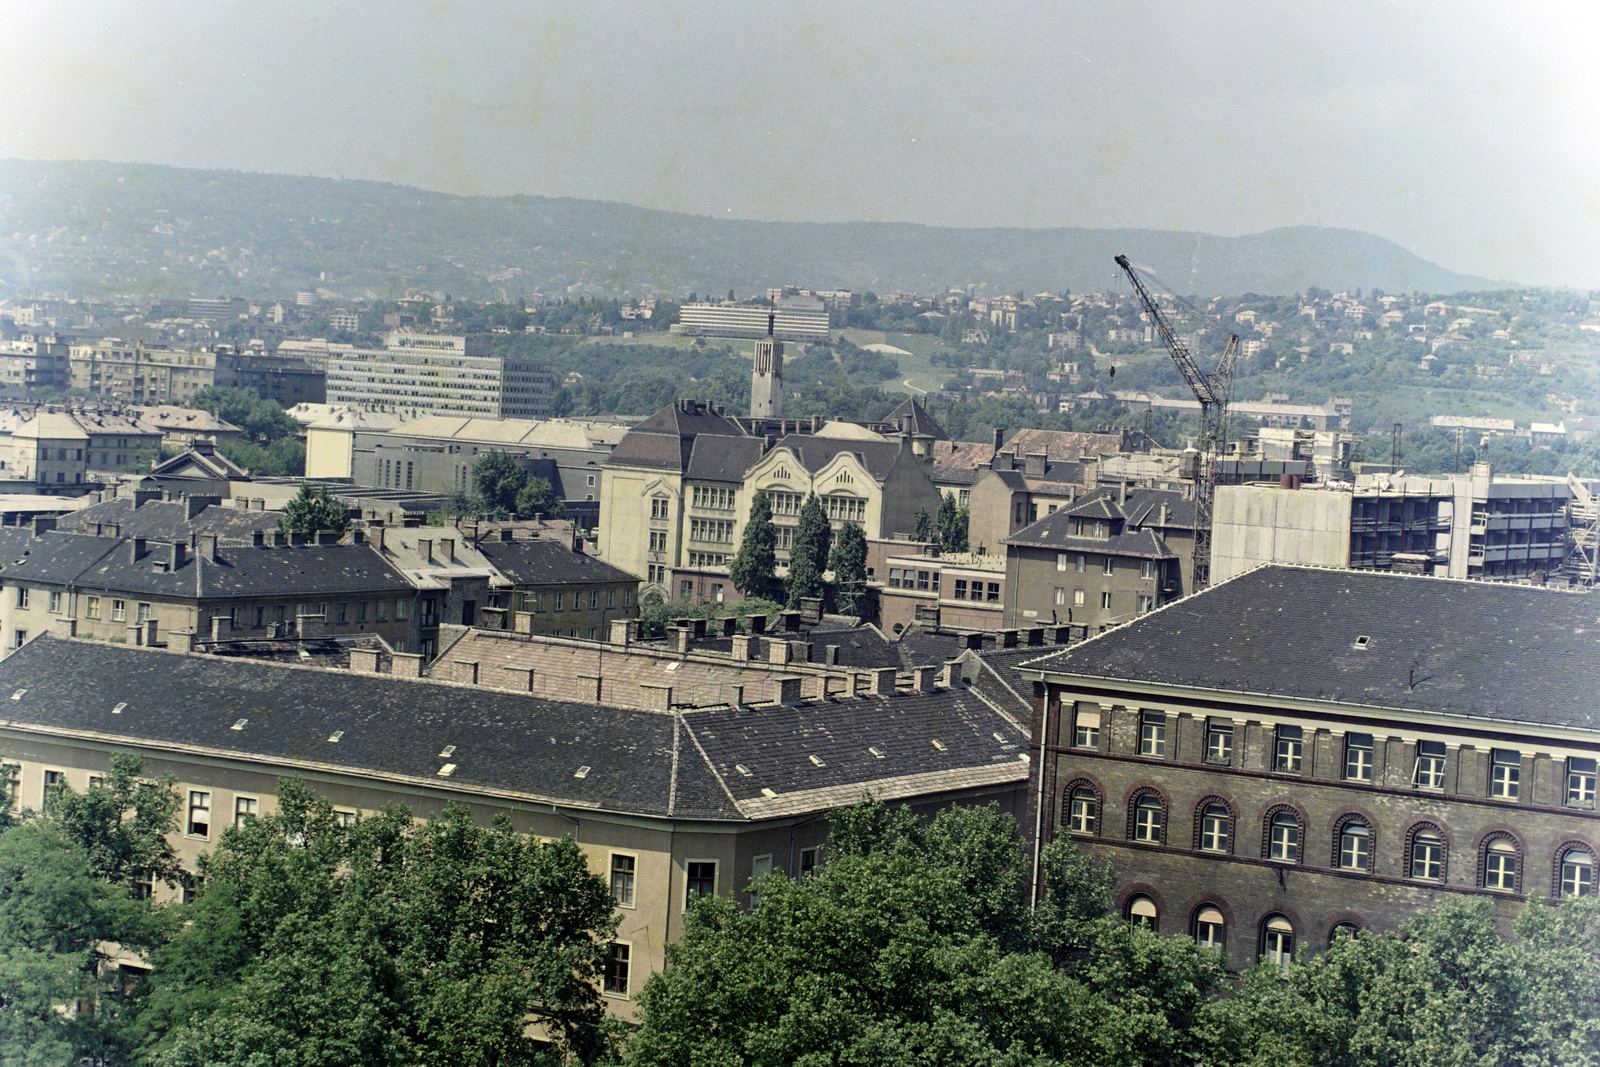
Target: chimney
791, 620
194, 505
407, 665
727, 627
258, 503
507, 535
744, 646
738, 696
779, 652
621, 632
522, 622
43, 524
258, 539
467, 671
180, 641
364, 661
136, 548
1061, 635
802, 652
880, 681
208, 547
447, 549
296, 538
518, 679
1035, 635
758, 624
358, 537
327, 537
999, 438
1033, 464
655, 697
180, 553
377, 537
973, 641
811, 608
221, 627
1161, 520
951, 677
830, 655
64, 627
1122, 492
1003, 461
789, 691
425, 549
699, 628
279, 539
682, 638
925, 677
1008, 639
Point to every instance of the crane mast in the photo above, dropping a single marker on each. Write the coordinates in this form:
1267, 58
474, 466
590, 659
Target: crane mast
1213, 391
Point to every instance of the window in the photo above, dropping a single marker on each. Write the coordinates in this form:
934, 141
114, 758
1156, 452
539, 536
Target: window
808, 860
1580, 783
91, 608
611, 598
341, 612
53, 780
617, 959
1142, 911
1429, 772
1105, 600
1210, 929
1148, 818
142, 612
1061, 561
1153, 734
1576, 873
55, 601
1505, 774
1060, 597
561, 600
1083, 810
622, 876
402, 610
1216, 827
1358, 764
1077, 598
1283, 837
244, 809
344, 820
1081, 564
22, 596
1277, 941
1086, 730
361, 613
702, 880
1146, 604
119, 611
1427, 854
1219, 741
993, 594
19, 638
1500, 864
1290, 749
1355, 846
658, 507
143, 885
1342, 930
1107, 565
199, 813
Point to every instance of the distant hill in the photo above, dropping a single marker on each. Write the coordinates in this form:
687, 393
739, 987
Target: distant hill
109, 228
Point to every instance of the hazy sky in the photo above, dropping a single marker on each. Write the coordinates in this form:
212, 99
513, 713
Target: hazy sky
1466, 131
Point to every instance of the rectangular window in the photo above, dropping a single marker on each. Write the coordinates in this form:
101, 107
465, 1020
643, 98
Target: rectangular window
1105, 601
22, 596
611, 599
561, 600
1505, 774
1082, 563
1358, 750
1219, 741
361, 612
142, 612
402, 610
53, 780
1061, 597
119, 611
622, 876
19, 638
244, 809
1580, 783
894, 577
702, 879
993, 595
1061, 561
1146, 603
1153, 734
342, 612
1429, 773
55, 601
91, 607
1147, 569
1291, 749
199, 813
1086, 730
1108, 566
961, 589
1077, 598
594, 599
617, 961
808, 861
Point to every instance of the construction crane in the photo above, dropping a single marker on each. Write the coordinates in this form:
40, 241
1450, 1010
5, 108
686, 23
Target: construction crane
1213, 391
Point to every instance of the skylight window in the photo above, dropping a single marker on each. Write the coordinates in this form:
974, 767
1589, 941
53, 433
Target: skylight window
939, 745
1362, 641
581, 772
18, 694
742, 769
877, 752
239, 725
115, 710
817, 761
766, 792
447, 752
447, 770
336, 735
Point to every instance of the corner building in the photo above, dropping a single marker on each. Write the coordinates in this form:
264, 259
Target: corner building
1297, 751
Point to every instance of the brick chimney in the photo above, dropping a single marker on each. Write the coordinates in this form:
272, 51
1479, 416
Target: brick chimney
364, 661
447, 549
779, 652
925, 678
621, 632
655, 697
1033, 464
757, 624
208, 547
880, 681
682, 639
1035, 635
789, 691
744, 646
951, 675
407, 665
1008, 639
425, 549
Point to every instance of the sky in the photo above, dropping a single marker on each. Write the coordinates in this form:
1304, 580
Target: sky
1466, 131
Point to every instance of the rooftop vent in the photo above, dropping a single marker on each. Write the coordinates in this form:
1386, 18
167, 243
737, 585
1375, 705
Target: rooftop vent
239, 725
447, 770
336, 735
115, 710
816, 760
877, 752
939, 745
447, 752
767, 792
581, 772
1362, 641
742, 769
18, 694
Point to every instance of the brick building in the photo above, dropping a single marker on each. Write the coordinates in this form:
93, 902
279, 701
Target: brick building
1299, 750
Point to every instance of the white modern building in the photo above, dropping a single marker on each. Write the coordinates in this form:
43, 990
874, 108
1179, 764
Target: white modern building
443, 375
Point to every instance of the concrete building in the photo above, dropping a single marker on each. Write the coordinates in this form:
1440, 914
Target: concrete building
138, 374
667, 806
1457, 526
70, 450
444, 375
35, 361
794, 320
1298, 751
766, 376
276, 376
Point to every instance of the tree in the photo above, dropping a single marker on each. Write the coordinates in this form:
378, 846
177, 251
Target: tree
754, 568
499, 478
848, 561
925, 529
122, 823
952, 525
809, 554
312, 511
538, 497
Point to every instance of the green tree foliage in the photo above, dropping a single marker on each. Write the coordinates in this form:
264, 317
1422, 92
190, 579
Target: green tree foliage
498, 477
313, 510
754, 568
952, 525
808, 557
269, 440
656, 614
122, 823
538, 497
848, 561
388, 941
925, 529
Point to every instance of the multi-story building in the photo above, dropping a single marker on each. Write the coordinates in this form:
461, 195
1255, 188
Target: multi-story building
442, 375
279, 376
55, 449
138, 374
1299, 751
1015, 493
35, 361
666, 805
1457, 526
555, 587
795, 320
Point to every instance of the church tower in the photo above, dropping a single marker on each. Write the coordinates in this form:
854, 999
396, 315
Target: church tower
766, 377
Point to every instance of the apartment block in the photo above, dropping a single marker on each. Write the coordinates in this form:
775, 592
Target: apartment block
436, 374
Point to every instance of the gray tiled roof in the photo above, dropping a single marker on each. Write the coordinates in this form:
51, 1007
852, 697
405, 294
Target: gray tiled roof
549, 562
817, 452
685, 765
922, 423
1052, 532
165, 520
715, 458
1476, 649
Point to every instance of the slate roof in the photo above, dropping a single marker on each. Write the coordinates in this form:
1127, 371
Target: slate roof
815, 453
548, 562
665, 439
1064, 445
715, 458
1479, 649
1054, 531
684, 765
169, 519
922, 423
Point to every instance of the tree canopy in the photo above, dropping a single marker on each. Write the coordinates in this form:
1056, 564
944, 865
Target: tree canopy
755, 566
848, 561
808, 556
312, 511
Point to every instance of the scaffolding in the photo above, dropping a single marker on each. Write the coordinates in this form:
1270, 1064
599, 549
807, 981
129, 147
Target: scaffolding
1582, 565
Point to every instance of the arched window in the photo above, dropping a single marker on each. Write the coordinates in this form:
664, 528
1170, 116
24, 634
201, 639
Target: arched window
1342, 930
1352, 844
1083, 809
1575, 871
1142, 910
1502, 863
1214, 826
1283, 836
1277, 941
1427, 855
1210, 928
1148, 822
